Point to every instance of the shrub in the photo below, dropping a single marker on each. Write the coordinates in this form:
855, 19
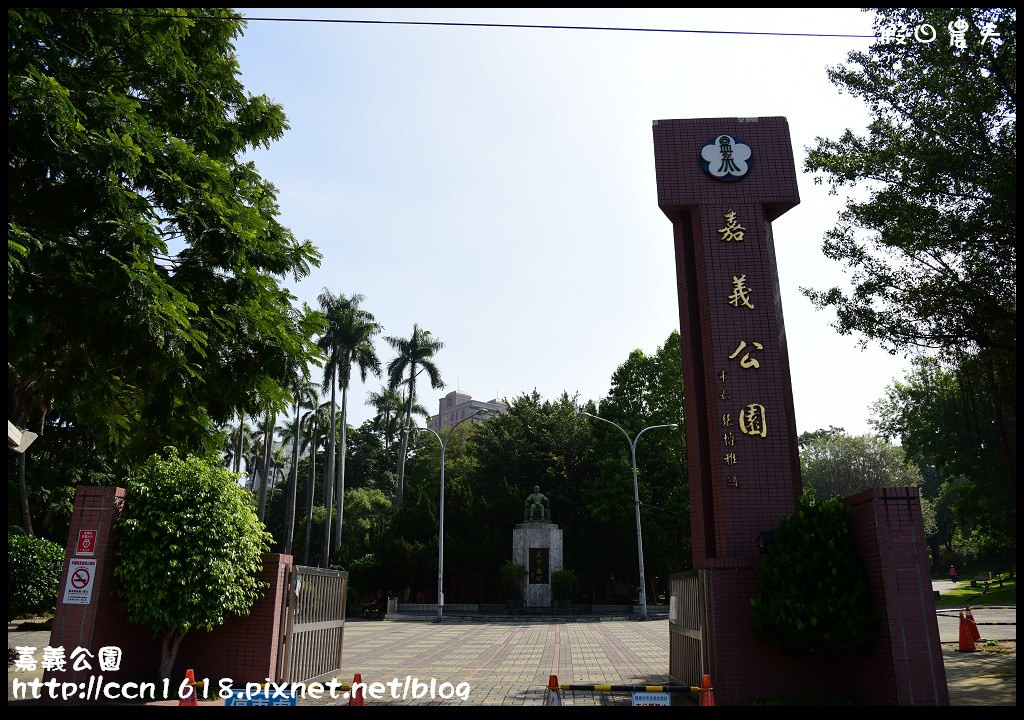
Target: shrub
813, 594
189, 549
564, 585
510, 578
33, 575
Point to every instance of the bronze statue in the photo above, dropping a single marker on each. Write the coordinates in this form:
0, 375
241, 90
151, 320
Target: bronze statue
538, 508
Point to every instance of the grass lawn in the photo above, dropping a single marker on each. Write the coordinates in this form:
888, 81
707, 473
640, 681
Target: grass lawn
964, 594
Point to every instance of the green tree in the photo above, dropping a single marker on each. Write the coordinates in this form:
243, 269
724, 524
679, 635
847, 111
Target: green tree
945, 420
128, 203
189, 549
931, 244
348, 339
645, 390
929, 234
415, 355
834, 464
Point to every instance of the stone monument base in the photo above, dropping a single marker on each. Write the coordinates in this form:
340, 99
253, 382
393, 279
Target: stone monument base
537, 546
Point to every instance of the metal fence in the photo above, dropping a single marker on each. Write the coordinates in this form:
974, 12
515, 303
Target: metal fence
315, 624
689, 646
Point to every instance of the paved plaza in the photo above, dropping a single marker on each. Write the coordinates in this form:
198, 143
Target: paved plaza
507, 663
502, 663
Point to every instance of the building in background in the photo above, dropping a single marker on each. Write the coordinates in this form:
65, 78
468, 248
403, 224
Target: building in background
458, 405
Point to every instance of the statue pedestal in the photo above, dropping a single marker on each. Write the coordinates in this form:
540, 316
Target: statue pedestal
538, 547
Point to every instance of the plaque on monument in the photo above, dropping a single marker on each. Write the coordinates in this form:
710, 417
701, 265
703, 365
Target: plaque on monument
539, 567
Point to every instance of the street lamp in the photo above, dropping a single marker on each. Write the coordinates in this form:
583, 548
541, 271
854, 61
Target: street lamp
636, 497
440, 532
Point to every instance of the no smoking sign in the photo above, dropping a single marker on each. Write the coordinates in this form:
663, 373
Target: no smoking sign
78, 588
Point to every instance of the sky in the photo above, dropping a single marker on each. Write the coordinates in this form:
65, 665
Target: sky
496, 186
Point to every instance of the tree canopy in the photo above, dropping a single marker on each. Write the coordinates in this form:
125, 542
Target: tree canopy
930, 235
834, 464
145, 256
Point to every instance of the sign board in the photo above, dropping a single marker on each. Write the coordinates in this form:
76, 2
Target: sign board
539, 566
86, 542
648, 699
239, 698
78, 588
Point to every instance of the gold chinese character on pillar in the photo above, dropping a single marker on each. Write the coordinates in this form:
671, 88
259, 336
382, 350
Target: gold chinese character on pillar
752, 420
729, 439
732, 481
740, 293
747, 362
729, 458
727, 420
733, 231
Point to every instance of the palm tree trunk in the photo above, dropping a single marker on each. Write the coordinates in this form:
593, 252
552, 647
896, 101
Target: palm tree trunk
309, 490
238, 446
400, 491
290, 511
341, 466
267, 478
325, 558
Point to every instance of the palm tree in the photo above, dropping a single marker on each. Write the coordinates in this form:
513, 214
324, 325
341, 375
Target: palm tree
388, 404
414, 356
348, 341
314, 418
254, 455
304, 395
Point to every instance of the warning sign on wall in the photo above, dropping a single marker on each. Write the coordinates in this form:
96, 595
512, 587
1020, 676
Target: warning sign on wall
78, 588
86, 542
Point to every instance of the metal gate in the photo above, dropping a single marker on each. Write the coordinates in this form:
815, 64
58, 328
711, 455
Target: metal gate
314, 624
689, 655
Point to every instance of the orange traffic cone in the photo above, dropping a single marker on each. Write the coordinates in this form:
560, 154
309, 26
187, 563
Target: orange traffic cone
189, 696
975, 633
707, 695
356, 696
553, 696
966, 639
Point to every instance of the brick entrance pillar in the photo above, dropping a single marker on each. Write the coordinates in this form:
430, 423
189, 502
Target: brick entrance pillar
722, 182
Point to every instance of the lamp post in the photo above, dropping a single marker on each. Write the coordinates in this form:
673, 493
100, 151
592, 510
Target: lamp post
636, 498
440, 531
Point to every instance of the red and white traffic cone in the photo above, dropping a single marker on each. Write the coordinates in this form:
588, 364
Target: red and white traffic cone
189, 696
707, 694
356, 696
975, 633
966, 639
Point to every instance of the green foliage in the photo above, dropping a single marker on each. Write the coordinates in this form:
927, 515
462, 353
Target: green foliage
365, 576
930, 243
564, 585
414, 356
840, 465
189, 546
130, 203
510, 579
812, 596
948, 423
645, 390
34, 566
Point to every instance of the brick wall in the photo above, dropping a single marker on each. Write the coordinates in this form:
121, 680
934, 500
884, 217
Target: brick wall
244, 649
